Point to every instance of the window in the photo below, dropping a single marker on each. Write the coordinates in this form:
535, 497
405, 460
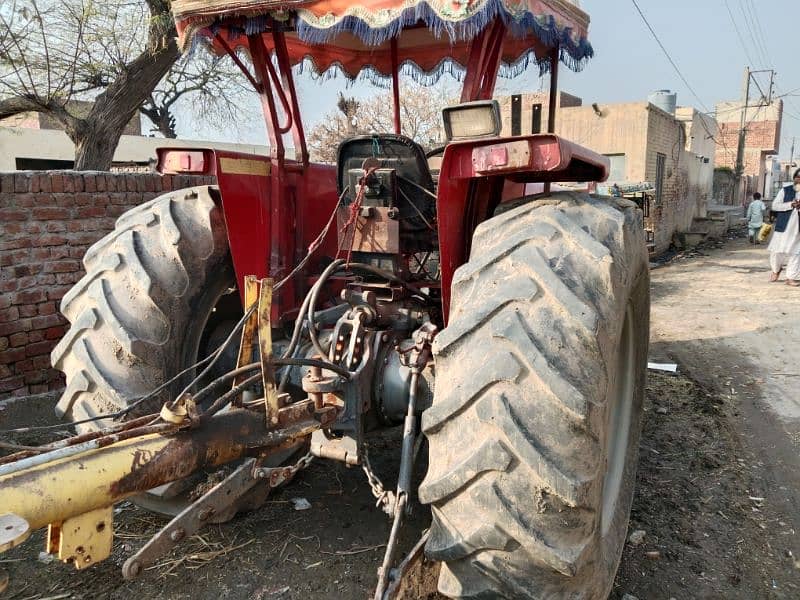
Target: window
617, 168
661, 162
536, 118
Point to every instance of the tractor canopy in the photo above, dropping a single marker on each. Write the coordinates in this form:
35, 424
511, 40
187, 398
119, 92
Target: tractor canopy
371, 37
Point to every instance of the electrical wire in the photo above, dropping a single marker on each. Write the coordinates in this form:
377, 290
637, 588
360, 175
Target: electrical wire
669, 58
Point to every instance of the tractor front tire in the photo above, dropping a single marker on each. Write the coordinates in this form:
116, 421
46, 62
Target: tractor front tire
534, 428
138, 316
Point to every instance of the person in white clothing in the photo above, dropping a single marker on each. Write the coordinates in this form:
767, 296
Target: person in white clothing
784, 249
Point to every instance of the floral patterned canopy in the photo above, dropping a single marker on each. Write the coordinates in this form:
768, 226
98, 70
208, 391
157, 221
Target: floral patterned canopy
432, 36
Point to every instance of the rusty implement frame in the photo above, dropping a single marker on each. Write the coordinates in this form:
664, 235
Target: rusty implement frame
73, 491
258, 299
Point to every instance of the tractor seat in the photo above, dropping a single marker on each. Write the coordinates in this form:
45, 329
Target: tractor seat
415, 193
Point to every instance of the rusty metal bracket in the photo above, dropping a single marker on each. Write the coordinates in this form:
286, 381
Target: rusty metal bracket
248, 331
192, 518
271, 398
258, 297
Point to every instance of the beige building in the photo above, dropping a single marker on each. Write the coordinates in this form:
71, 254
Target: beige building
673, 152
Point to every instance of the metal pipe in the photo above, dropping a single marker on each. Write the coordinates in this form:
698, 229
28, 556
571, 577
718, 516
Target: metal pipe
403, 483
552, 100
395, 84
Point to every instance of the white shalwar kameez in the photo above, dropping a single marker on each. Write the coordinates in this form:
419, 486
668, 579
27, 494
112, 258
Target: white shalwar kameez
784, 248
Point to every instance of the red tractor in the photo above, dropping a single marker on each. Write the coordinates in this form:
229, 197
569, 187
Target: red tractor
437, 292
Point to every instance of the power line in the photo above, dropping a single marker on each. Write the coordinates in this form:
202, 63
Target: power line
739, 34
753, 39
669, 58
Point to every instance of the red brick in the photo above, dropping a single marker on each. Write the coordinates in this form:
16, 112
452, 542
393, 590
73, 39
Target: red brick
57, 292
47, 308
36, 377
9, 314
46, 279
67, 278
4, 343
57, 252
8, 286
38, 389
27, 310
27, 270
78, 184
21, 392
46, 213
100, 183
87, 212
12, 356
89, 183
41, 362
115, 210
43, 347
5, 301
23, 242
36, 336
5, 371
61, 266
24, 283
27, 200
7, 183
54, 333
30, 297
77, 251
12, 228
51, 239
69, 184
57, 183
82, 200
73, 226
15, 326
13, 214
18, 339
40, 253
46, 321
24, 366
45, 184
85, 238
22, 183
11, 384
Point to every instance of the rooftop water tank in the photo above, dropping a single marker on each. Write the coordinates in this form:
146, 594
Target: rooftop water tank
664, 99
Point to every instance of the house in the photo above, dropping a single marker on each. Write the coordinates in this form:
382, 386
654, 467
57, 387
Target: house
666, 152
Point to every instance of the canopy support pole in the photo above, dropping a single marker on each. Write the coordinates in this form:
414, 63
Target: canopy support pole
395, 85
552, 99
485, 55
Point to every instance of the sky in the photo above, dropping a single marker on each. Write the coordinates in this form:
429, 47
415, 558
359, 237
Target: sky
699, 35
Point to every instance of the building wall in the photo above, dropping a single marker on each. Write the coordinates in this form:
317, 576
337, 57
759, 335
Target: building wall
55, 145
528, 100
47, 222
762, 138
622, 129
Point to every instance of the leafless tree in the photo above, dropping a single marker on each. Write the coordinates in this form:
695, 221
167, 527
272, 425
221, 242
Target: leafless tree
122, 56
421, 120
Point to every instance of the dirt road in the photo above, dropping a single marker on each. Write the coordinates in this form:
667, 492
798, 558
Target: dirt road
718, 494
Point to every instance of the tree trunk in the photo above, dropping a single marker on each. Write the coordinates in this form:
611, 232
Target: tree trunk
97, 136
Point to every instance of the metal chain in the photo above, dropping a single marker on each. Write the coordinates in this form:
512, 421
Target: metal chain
280, 475
385, 498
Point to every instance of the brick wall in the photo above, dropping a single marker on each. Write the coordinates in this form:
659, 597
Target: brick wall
47, 222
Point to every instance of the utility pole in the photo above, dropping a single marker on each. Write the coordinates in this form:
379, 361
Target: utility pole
740, 146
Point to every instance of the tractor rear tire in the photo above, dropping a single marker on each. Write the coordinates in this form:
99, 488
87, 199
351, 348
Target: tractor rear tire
534, 428
138, 315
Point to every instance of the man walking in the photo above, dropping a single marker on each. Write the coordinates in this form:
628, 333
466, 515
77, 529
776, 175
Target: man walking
784, 249
755, 218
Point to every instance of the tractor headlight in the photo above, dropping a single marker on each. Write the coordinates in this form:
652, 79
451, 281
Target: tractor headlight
471, 120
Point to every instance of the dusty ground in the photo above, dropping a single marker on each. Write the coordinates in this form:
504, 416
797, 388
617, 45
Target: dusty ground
718, 492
